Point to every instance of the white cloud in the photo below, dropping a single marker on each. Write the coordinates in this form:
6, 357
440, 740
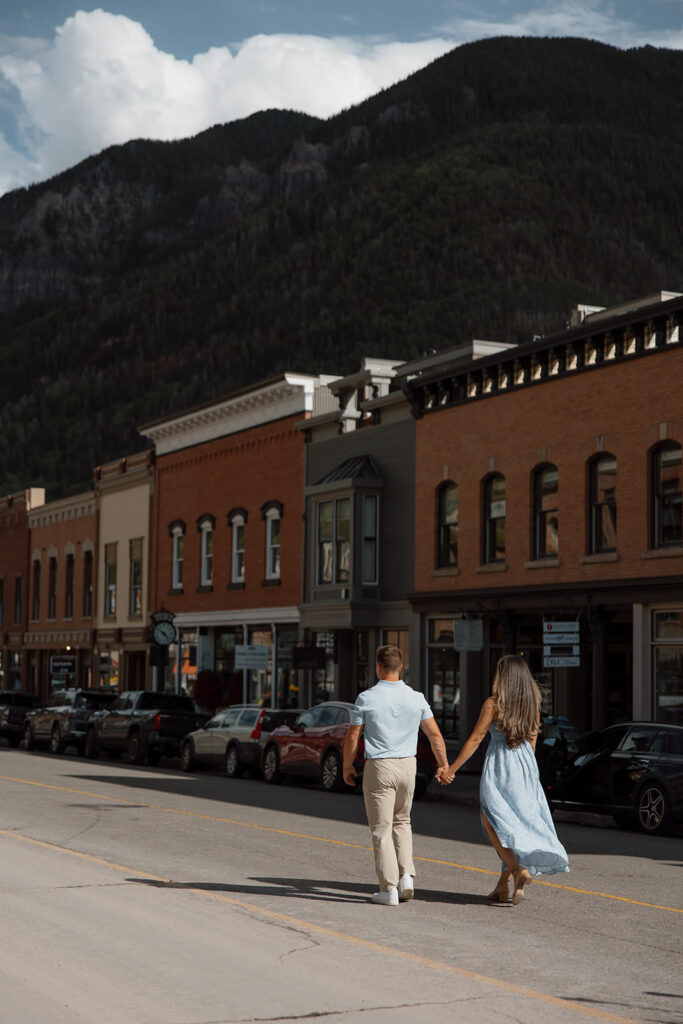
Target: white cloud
102, 81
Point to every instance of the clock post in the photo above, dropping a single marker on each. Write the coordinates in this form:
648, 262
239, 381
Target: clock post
163, 633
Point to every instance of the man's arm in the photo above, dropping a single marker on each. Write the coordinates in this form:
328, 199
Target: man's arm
350, 748
436, 741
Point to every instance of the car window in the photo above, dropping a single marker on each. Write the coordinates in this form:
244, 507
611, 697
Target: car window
121, 703
232, 716
215, 722
673, 742
311, 717
94, 700
329, 716
249, 716
641, 740
344, 716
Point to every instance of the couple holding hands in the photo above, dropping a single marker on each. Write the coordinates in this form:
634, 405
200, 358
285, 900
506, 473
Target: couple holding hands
514, 811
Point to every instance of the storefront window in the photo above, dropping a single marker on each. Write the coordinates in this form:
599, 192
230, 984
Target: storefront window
109, 669
230, 677
287, 684
323, 678
444, 676
260, 681
400, 638
667, 672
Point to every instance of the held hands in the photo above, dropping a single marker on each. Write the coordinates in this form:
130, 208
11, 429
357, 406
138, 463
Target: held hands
445, 775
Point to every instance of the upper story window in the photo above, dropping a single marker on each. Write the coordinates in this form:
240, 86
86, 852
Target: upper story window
667, 485
18, 598
35, 607
602, 501
447, 531
545, 511
494, 518
110, 580
205, 525
87, 583
237, 521
135, 576
69, 587
2, 601
334, 541
177, 533
370, 560
52, 588
272, 513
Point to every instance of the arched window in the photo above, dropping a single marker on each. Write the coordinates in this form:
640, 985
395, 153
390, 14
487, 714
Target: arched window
447, 529
494, 518
545, 511
237, 519
272, 513
205, 525
667, 525
177, 533
602, 503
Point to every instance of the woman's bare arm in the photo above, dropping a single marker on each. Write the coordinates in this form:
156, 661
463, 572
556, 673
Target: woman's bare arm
472, 743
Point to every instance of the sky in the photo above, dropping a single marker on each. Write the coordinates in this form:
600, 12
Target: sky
74, 80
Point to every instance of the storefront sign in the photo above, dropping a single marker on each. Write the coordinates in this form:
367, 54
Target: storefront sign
251, 656
468, 634
561, 645
63, 665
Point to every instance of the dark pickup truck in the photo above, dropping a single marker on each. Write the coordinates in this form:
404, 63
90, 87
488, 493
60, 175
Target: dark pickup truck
143, 724
62, 718
13, 708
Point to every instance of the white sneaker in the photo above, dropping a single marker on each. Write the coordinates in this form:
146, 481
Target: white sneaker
387, 898
406, 887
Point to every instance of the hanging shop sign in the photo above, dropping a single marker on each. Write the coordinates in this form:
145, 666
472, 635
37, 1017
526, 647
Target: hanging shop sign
251, 656
468, 634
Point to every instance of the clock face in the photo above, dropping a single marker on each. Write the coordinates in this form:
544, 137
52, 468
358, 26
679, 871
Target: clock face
164, 633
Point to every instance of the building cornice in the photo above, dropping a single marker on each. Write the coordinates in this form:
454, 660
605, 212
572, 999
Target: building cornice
238, 617
65, 509
281, 397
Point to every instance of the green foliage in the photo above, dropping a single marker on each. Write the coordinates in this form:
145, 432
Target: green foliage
482, 197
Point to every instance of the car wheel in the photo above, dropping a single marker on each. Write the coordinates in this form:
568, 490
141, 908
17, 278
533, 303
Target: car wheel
135, 751
654, 813
271, 765
29, 738
56, 743
187, 761
92, 747
331, 773
233, 765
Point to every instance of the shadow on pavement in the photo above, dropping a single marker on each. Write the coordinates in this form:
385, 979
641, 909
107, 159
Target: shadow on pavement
310, 889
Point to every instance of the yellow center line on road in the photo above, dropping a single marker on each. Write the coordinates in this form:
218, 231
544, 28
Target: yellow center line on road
334, 842
354, 940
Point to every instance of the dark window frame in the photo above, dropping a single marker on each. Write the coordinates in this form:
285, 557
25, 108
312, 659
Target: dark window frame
660, 503
597, 507
490, 522
541, 515
444, 529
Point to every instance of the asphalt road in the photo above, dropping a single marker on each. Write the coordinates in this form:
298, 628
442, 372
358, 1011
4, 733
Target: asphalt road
149, 896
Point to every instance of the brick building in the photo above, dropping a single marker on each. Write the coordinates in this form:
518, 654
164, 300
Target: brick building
228, 535
124, 495
14, 565
548, 487
61, 593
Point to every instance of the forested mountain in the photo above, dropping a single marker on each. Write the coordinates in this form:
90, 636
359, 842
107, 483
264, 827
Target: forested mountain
481, 197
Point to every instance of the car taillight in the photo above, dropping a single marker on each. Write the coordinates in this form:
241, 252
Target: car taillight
156, 722
256, 731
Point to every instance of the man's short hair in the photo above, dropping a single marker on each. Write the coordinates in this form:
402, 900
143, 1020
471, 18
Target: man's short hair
389, 658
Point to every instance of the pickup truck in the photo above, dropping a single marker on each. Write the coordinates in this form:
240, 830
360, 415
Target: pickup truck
62, 719
143, 724
13, 708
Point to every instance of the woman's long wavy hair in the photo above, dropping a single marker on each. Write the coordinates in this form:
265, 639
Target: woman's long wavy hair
517, 700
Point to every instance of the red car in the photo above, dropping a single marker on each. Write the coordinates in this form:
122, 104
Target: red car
312, 745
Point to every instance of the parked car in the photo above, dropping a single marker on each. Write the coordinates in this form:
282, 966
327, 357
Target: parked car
62, 719
14, 705
233, 738
556, 747
632, 771
144, 724
312, 746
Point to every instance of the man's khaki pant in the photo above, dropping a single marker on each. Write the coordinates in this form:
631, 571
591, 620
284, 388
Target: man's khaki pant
388, 787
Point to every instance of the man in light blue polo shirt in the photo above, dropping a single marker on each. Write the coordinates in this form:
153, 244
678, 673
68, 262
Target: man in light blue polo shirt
390, 713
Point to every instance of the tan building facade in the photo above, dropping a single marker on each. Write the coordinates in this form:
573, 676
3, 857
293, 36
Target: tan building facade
124, 493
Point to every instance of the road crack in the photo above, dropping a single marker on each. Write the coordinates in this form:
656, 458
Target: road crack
319, 1014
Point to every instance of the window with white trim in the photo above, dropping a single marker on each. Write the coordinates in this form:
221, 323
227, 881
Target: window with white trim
238, 525
177, 531
205, 526
273, 544
334, 541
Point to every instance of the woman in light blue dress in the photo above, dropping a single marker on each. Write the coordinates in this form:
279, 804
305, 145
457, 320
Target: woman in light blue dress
514, 810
